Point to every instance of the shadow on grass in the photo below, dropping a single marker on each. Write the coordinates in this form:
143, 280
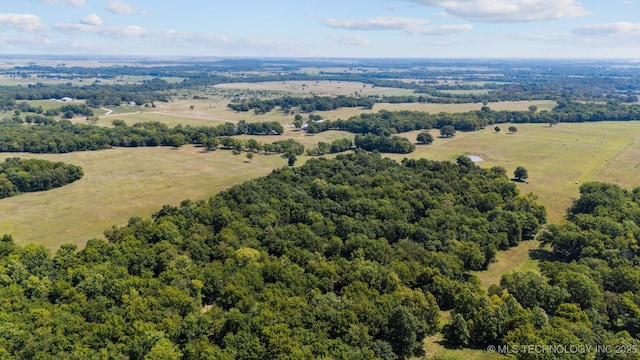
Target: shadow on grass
542, 255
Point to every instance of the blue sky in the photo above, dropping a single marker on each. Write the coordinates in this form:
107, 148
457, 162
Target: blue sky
324, 28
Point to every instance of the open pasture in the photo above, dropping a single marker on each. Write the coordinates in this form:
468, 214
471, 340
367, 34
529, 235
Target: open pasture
214, 111
121, 183
558, 158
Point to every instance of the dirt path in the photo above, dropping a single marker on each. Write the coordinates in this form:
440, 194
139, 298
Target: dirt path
109, 113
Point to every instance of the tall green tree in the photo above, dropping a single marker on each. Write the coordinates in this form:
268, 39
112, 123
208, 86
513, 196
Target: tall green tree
424, 138
447, 131
521, 173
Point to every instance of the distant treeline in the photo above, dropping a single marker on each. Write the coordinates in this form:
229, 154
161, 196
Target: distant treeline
95, 95
326, 103
387, 122
285, 146
18, 176
307, 105
68, 110
512, 86
63, 136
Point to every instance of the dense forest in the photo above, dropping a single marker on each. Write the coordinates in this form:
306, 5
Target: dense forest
19, 176
345, 258
586, 294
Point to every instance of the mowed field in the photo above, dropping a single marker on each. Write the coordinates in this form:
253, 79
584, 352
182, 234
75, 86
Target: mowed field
118, 184
320, 88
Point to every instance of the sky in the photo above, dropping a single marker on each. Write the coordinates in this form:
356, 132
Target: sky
600, 29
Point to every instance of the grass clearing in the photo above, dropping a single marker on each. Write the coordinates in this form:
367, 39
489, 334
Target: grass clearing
515, 259
121, 183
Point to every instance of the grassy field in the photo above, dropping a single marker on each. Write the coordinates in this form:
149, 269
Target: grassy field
121, 183
214, 111
320, 88
558, 159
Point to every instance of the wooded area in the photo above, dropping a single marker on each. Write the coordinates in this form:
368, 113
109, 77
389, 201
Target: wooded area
18, 176
352, 257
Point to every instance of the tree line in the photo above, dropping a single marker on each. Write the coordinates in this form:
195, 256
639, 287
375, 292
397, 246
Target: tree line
95, 95
351, 257
391, 122
63, 136
306, 104
19, 176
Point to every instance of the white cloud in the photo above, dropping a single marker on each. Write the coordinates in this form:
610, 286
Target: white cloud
91, 19
110, 31
122, 8
24, 22
621, 28
126, 31
378, 23
409, 25
167, 37
509, 11
76, 3
68, 27
351, 40
445, 29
